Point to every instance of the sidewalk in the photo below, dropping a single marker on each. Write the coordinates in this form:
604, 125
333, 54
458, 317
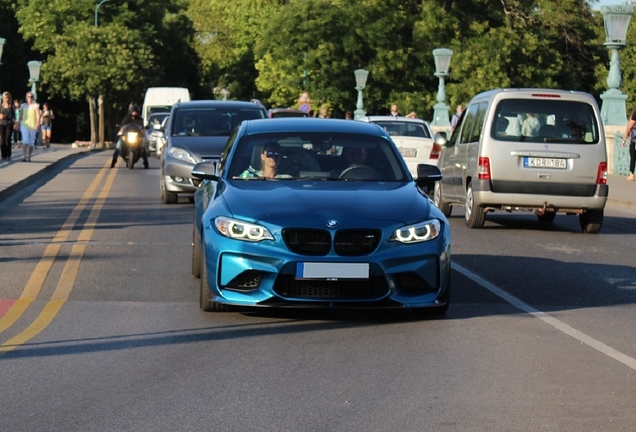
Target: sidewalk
16, 174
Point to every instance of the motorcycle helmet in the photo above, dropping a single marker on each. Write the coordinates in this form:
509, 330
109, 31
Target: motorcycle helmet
134, 108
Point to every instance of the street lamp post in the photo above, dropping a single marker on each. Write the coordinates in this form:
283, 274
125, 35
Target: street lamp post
34, 76
361, 82
97, 9
442, 62
616, 24
2, 42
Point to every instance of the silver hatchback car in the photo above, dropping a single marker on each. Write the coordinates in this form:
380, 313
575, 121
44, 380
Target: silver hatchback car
196, 131
537, 150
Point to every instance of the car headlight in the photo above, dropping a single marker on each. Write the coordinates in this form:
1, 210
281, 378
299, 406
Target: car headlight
240, 230
416, 233
182, 154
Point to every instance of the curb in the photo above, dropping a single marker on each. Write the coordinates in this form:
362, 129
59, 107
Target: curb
27, 181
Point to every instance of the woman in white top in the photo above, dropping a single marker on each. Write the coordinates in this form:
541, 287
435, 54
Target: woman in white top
30, 123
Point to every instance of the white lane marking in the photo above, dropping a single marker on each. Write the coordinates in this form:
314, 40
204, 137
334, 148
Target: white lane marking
550, 320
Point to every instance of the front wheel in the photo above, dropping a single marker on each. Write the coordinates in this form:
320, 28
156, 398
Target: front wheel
439, 202
196, 252
130, 162
591, 221
474, 214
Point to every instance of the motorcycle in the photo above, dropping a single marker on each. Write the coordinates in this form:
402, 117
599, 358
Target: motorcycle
132, 144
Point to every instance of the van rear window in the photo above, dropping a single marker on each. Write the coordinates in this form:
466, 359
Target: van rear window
545, 120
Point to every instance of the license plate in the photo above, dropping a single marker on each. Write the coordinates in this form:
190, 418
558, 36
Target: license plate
408, 152
532, 162
332, 271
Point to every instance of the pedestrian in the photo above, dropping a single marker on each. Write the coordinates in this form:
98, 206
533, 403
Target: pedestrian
47, 123
630, 134
394, 111
30, 123
17, 136
456, 116
348, 115
412, 115
6, 125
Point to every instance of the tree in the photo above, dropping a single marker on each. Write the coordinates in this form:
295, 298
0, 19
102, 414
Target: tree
115, 59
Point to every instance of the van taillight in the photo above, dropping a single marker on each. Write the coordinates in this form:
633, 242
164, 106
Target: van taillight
484, 168
601, 177
435, 151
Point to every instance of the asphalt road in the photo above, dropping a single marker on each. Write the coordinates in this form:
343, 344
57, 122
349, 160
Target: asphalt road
100, 328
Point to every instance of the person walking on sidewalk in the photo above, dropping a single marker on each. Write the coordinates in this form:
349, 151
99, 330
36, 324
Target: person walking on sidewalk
30, 125
47, 123
17, 136
6, 125
630, 134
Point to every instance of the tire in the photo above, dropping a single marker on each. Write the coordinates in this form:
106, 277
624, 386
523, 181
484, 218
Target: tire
205, 303
196, 252
475, 216
130, 162
591, 221
439, 202
168, 197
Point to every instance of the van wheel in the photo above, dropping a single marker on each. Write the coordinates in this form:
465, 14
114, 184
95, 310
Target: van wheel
591, 221
474, 214
439, 202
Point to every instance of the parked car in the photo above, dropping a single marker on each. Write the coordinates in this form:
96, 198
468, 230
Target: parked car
413, 137
538, 150
154, 131
197, 131
317, 213
286, 112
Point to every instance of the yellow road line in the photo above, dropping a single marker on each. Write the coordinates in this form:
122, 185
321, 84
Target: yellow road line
41, 322
68, 278
36, 281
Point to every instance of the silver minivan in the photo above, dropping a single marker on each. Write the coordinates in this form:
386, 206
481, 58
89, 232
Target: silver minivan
537, 150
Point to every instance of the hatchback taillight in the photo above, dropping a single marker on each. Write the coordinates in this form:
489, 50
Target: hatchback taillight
601, 177
435, 151
484, 168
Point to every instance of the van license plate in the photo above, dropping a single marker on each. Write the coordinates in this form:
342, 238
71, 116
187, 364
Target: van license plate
532, 162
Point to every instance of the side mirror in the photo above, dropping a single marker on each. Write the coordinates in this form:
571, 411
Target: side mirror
427, 175
205, 171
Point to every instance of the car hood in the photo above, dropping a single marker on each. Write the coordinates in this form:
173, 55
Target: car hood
312, 203
201, 147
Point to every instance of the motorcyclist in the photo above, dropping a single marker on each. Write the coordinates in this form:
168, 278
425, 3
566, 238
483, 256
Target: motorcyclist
131, 117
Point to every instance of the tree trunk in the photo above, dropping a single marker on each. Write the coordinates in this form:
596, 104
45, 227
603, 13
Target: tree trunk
91, 110
100, 103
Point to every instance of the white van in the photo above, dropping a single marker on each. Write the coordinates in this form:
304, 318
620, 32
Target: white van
161, 99
538, 150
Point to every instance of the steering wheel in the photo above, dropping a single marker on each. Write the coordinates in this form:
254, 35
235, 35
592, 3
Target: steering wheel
360, 172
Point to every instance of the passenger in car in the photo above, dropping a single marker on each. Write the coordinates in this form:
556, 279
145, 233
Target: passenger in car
270, 158
530, 126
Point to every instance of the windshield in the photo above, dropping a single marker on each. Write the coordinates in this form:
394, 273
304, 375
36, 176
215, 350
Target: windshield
404, 128
316, 156
545, 120
207, 121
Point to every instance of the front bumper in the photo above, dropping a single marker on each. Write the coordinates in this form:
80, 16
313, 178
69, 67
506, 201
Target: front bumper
264, 274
